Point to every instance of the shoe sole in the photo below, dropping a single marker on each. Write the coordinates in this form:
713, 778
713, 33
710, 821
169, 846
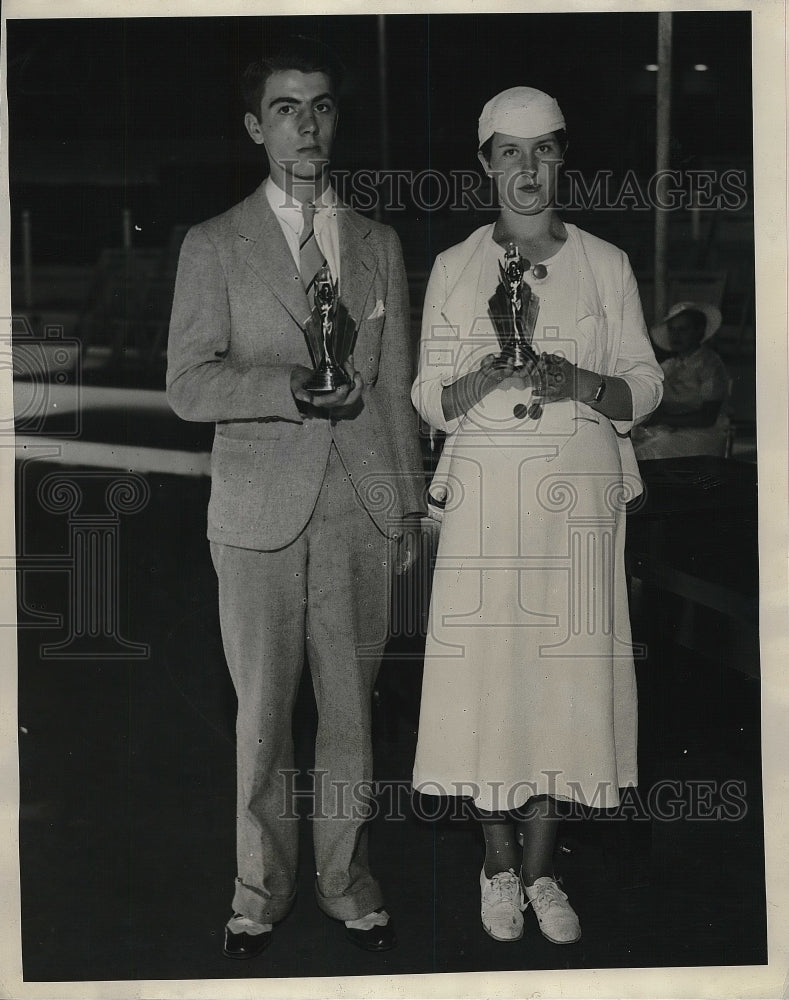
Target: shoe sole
554, 941
495, 937
372, 950
245, 956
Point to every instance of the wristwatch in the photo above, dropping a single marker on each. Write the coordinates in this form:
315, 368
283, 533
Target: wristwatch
600, 390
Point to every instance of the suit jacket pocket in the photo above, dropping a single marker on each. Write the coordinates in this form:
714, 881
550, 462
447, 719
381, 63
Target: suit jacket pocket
263, 490
239, 473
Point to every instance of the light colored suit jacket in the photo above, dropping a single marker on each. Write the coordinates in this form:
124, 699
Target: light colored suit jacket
236, 332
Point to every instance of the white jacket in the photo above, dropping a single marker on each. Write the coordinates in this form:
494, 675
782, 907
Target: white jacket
608, 309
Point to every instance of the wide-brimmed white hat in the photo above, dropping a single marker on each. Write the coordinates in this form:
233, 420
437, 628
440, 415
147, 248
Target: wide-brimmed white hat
520, 111
659, 331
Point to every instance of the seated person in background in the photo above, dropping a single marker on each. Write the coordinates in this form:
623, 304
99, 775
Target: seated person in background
692, 418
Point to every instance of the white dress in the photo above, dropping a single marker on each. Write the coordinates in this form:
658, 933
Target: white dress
529, 685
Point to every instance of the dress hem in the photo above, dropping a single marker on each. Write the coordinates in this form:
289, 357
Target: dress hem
496, 796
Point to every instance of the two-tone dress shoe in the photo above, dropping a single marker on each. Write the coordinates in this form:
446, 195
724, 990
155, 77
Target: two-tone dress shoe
243, 939
373, 932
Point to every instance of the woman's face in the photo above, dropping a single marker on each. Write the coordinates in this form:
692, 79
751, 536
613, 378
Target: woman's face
684, 334
525, 171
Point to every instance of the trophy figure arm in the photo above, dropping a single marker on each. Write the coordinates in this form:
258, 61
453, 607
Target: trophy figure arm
327, 328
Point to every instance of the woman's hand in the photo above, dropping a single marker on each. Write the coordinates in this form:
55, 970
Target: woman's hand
556, 378
460, 396
502, 374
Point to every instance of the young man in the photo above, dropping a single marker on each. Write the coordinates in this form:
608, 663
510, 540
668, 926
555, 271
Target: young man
301, 542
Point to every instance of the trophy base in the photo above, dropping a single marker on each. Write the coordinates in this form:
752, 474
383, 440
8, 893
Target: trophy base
326, 379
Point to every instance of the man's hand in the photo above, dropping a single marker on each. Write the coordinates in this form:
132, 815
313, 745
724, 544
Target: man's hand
409, 544
331, 403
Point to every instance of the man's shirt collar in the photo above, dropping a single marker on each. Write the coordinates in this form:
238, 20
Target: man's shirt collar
288, 210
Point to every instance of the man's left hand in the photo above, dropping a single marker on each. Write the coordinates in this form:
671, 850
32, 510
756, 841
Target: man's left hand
409, 544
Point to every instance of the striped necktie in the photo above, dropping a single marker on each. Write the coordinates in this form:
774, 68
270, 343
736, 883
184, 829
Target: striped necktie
311, 260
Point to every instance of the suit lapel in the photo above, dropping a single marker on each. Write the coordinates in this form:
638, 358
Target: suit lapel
358, 263
271, 260
269, 255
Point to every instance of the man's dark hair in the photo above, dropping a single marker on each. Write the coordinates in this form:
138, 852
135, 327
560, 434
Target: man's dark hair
307, 55
560, 135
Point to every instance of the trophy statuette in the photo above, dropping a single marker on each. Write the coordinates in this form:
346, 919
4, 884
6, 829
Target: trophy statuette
330, 334
513, 309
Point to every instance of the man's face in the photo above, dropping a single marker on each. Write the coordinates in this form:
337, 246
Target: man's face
525, 171
298, 116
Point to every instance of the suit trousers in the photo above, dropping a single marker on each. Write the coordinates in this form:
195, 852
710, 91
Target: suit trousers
328, 592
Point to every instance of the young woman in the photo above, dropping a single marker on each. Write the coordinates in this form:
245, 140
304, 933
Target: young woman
529, 691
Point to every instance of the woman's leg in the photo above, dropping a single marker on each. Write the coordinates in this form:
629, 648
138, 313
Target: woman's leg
501, 843
538, 823
500, 885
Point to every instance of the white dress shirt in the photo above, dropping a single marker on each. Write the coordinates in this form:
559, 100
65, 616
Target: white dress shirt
291, 220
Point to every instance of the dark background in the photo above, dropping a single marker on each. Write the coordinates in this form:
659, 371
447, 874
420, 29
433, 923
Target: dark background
145, 114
